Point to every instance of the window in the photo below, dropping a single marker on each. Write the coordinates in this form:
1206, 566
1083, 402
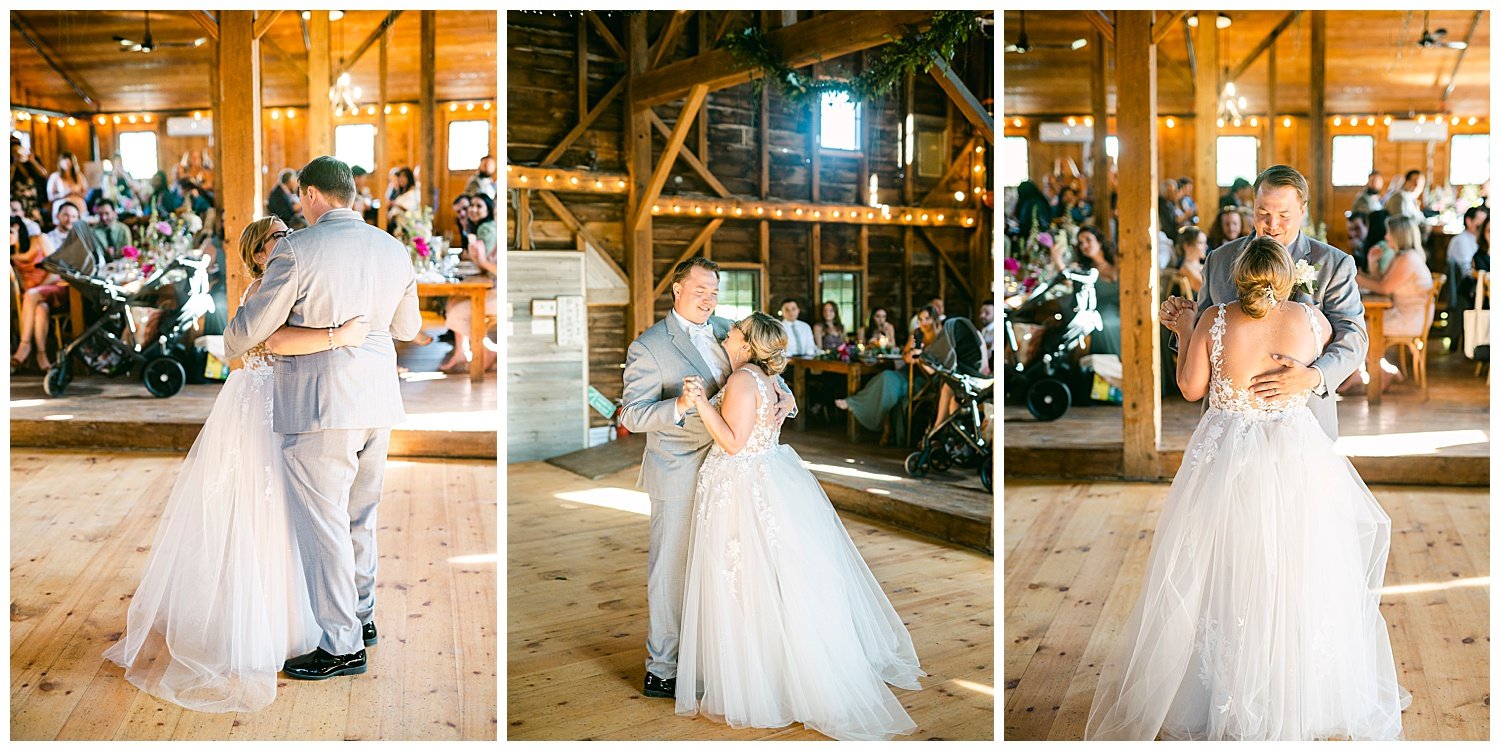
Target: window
468, 142
1017, 164
1237, 158
1469, 159
354, 145
1353, 159
138, 154
839, 123
24, 137
1112, 147
739, 293
842, 287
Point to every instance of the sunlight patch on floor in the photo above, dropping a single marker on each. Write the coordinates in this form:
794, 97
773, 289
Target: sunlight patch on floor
618, 499
1407, 444
1411, 589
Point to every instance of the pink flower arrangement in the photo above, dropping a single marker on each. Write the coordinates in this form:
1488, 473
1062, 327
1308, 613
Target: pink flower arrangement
147, 269
420, 243
1012, 266
1044, 239
164, 228
131, 252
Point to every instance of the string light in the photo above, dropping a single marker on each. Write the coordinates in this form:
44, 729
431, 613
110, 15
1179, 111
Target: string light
1286, 122
598, 184
549, 178
738, 211
1221, 122
1255, 122
453, 107
1387, 120
1454, 121
486, 106
573, 180
1473, 120
969, 220
1370, 120
469, 107
403, 109
1072, 121
523, 179
131, 119
1421, 119
197, 115
620, 184
1016, 122
656, 209
275, 114
676, 209
43, 119
71, 121
370, 110
1171, 122
940, 217
117, 119
1337, 121
147, 118
388, 109
101, 120
1089, 121
291, 113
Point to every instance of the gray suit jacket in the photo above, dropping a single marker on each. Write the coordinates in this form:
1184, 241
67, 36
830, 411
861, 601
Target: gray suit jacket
655, 365
320, 277
1336, 293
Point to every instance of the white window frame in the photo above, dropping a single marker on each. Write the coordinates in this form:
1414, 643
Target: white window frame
346, 150
1016, 168
135, 167
464, 161
1224, 168
1362, 160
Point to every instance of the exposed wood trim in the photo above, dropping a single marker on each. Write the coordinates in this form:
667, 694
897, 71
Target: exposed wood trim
428, 116
1101, 23
639, 252
964, 99
319, 109
383, 92
1205, 156
239, 129
1234, 75
723, 27
763, 142
764, 246
364, 46
1317, 123
1271, 116
606, 34
1163, 24
286, 59
691, 158
1453, 77
669, 152
562, 180
699, 241
523, 220
561, 210
74, 82
668, 38
583, 124
583, 67
689, 207
823, 37
704, 45
263, 21
1099, 97
958, 273
206, 21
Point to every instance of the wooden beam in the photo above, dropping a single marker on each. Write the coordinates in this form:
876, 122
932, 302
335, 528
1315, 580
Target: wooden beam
428, 134
319, 109
1163, 26
722, 27
669, 152
523, 220
1265, 44
583, 124
1101, 23
583, 67
285, 59
561, 210
520, 177
957, 167
1205, 115
639, 251
215, 101
1270, 109
667, 41
238, 127
1099, 90
959, 274
74, 82
699, 241
1135, 62
964, 99
382, 167
364, 46
823, 37
701, 128
263, 21
689, 207
1469, 41
606, 34
691, 158
1317, 124
209, 25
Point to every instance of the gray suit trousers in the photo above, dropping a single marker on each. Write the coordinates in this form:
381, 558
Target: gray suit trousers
666, 575
334, 480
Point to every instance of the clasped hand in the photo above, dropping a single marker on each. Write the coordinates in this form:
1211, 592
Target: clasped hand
1178, 314
693, 391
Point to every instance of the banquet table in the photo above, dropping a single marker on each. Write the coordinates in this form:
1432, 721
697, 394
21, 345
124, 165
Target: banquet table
475, 289
1375, 307
854, 371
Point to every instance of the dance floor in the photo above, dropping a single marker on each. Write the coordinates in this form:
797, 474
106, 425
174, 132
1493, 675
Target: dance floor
82, 526
1075, 557
576, 631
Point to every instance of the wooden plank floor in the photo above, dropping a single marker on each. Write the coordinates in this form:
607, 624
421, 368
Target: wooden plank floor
1075, 555
82, 526
576, 631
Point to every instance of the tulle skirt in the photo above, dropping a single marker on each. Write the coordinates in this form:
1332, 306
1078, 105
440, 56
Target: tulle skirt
1259, 618
782, 620
222, 603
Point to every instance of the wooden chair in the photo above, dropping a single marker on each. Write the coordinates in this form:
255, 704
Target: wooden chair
59, 320
1180, 285
1415, 347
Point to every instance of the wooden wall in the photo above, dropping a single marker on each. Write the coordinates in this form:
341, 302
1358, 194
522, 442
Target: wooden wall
547, 384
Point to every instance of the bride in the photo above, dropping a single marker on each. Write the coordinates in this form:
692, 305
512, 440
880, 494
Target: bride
223, 603
1259, 618
782, 621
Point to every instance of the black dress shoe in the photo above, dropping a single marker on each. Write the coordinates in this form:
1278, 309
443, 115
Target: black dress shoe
660, 688
371, 638
318, 665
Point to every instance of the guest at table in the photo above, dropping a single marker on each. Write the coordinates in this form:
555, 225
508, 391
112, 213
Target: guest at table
936, 304
283, 202
1166, 218
1191, 250
1357, 227
1368, 201
113, 235
28, 182
1097, 253
829, 331
879, 331
1070, 206
483, 180
1187, 207
1033, 210
67, 183
160, 197
799, 335
197, 166
1408, 200
1464, 258
63, 218
1464, 245
886, 389
461, 220
1228, 225
482, 250
1406, 279
401, 197
18, 214
1240, 195
42, 293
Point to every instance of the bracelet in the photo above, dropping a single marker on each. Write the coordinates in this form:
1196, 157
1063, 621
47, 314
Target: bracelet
330, 339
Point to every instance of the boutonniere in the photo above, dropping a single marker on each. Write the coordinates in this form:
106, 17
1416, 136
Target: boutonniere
1305, 277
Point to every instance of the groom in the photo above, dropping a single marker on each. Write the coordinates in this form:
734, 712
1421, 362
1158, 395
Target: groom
333, 410
1280, 205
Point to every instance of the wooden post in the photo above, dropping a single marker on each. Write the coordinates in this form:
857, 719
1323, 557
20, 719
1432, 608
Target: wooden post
1271, 107
319, 109
1135, 61
238, 130
815, 233
381, 132
1317, 124
1205, 115
908, 188
429, 196
1100, 178
583, 67
638, 247
215, 97
763, 146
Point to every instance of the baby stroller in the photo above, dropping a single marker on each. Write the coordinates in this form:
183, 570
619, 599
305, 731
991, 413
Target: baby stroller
179, 293
1048, 384
958, 441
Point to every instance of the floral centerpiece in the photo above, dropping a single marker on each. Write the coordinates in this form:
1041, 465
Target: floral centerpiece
415, 229
162, 241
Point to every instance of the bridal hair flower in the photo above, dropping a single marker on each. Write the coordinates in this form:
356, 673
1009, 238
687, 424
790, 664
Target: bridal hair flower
1270, 295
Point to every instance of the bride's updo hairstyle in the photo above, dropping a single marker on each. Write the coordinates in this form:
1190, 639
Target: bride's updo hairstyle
252, 239
767, 340
1263, 270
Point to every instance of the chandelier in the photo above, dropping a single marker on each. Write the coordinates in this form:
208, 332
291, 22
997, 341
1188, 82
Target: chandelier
1232, 106
344, 96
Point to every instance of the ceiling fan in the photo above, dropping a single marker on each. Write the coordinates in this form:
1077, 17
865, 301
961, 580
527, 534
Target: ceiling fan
1023, 43
147, 44
1436, 37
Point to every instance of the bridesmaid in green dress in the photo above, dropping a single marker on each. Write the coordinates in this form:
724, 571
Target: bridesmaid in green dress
1095, 252
882, 393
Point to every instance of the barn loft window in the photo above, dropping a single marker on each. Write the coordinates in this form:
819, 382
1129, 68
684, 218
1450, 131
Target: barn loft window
840, 122
138, 154
1238, 156
1016, 163
738, 293
354, 145
1469, 159
842, 287
1353, 160
468, 142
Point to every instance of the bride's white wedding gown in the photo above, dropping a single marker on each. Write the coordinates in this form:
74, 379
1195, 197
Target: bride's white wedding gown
222, 603
782, 620
1260, 615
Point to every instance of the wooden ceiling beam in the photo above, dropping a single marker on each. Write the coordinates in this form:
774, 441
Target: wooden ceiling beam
520, 177
567, 217
263, 21
691, 158
364, 46
967, 103
606, 34
286, 59
1163, 25
207, 22
1101, 23
750, 209
668, 39
73, 81
822, 37
1265, 44
723, 26
669, 152
584, 123
1469, 41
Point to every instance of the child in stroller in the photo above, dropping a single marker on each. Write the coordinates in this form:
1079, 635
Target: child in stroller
957, 437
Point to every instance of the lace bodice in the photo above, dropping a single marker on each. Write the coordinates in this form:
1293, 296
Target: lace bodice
1224, 395
766, 434
259, 356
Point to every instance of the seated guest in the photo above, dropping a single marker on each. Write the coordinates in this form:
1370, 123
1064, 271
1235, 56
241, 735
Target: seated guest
1192, 248
110, 232
1187, 208
483, 180
829, 331
1240, 194
283, 202
1357, 225
42, 293
364, 202
936, 304
161, 197
402, 197
1368, 201
878, 328
1406, 279
1228, 225
482, 250
1166, 219
1068, 205
1464, 245
63, 218
1097, 253
881, 394
1033, 210
17, 213
799, 336
986, 324
461, 217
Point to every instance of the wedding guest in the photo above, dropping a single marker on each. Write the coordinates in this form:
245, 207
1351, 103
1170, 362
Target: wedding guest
987, 332
936, 304
196, 166
18, 215
880, 395
1357, 227
1068, 205
799, 336
1368, 200
1192, 249
482, 250
1228, 225
879, 327
116, 185
161, 198
1033, 211
67, 183
1408, 200
1168, 193
1187, 208
1464, 245
283, 202
1240, 194
1049, 190
483, 180
461, 217
42, 293
1375, 255
364, 202
828, 332
1166, 229
1406, 279
401, 196
28, 181
1097, 253
63, 218
1463, 261
110, 232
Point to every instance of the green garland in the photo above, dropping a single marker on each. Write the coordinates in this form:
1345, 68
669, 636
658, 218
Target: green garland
914, 50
